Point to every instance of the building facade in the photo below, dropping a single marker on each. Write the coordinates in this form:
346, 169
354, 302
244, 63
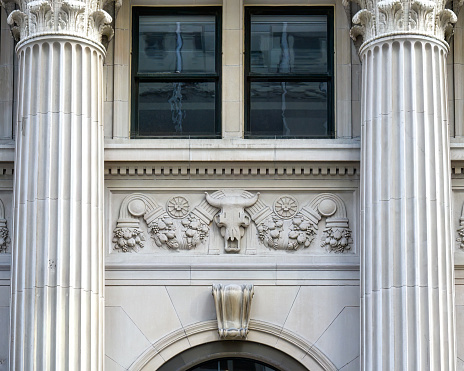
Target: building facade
190, 182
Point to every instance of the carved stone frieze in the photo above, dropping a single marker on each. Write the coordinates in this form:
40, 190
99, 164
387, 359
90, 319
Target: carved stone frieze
277, 233
4, 233
379, 18
87, 18
284, 226
233, 304
460, 230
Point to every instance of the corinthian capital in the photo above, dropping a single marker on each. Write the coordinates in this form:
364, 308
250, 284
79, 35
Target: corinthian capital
81, 18
379, 18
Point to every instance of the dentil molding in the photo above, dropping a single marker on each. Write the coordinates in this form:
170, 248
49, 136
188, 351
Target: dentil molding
87, 19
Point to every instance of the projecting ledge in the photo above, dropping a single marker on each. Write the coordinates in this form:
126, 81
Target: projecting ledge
342, 150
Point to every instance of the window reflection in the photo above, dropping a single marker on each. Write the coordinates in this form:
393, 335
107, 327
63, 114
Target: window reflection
182, 44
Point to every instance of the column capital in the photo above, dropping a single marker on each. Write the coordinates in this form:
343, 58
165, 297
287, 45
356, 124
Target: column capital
381, 18
88, 19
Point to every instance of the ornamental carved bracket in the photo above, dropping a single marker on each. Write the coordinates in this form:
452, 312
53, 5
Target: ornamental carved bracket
88, 19
233, 304
284, 226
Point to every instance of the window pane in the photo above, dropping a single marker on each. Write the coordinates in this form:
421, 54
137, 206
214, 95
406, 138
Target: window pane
288, 44
176, 109
289, 109
181, 44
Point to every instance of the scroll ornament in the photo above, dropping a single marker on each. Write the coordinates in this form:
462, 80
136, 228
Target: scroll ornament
175, 227
275, 232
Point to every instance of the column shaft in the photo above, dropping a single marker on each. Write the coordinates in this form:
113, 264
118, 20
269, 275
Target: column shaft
407, 262
57, 272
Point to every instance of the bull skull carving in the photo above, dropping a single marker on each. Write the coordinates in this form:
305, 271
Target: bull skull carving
232, 219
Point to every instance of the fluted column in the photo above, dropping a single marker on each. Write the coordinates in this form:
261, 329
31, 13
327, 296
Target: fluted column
407, 283
57, 271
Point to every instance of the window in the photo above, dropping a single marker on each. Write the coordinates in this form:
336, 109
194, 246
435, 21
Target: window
176, 64
289, 88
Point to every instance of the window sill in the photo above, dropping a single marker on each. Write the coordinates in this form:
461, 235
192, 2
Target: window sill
232, 150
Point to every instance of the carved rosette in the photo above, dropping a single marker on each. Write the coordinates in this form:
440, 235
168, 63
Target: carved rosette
172, 227
382, 18
233, 304
88, 19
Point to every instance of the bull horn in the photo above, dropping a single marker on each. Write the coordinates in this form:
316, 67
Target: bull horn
250, 201
212, 201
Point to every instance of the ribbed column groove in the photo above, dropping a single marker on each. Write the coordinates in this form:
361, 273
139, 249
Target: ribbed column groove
57, 273
407, 263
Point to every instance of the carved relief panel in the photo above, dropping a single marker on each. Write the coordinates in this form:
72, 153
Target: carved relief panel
233, 221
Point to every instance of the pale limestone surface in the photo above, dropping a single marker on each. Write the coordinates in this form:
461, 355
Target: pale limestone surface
159, 302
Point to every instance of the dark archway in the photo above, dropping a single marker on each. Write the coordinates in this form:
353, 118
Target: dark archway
263, 354
233, 364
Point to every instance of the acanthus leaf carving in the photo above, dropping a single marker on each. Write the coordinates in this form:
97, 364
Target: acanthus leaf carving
390, 16
379, 18
18, 23
82, 18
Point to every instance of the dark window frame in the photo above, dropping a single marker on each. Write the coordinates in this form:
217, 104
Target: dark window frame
328, 77
137, 78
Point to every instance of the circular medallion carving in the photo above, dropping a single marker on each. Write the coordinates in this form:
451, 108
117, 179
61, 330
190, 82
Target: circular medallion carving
286, 206
327, 207
136, 207
178, 207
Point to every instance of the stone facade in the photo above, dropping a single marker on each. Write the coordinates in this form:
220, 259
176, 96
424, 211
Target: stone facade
130, 254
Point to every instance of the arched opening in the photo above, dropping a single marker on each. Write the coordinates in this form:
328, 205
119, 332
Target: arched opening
232, 356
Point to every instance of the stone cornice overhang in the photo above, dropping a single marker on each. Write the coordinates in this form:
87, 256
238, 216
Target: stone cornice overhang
233, 150
311, 150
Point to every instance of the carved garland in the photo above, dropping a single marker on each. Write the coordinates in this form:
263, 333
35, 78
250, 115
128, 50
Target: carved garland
4, 233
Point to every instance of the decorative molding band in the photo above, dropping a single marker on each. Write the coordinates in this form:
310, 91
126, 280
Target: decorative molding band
187, 169
293, 343
177, 226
